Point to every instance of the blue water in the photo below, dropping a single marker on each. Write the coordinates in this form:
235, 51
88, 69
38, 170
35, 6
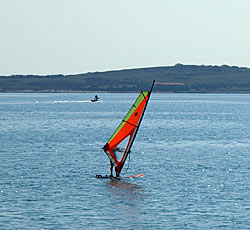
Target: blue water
193, 148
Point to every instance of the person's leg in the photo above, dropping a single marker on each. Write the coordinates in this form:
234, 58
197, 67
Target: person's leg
116, 173
111, 168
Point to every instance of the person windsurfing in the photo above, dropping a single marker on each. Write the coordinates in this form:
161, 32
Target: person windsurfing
111, 169
117, 149
112, 165
126, 132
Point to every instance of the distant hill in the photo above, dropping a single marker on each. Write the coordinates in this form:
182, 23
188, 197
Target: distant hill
196, 79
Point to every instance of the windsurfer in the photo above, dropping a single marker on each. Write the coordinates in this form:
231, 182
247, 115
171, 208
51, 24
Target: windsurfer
112, 164
126, 132
117, 149
111, 170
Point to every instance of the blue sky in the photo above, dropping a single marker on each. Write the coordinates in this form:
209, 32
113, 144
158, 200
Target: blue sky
78, 36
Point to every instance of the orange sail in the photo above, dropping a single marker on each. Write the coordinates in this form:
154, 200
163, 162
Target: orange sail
127, 131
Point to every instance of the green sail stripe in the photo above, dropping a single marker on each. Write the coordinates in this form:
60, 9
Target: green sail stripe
138, 101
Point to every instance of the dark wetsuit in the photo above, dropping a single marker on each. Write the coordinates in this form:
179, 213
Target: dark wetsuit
112, 165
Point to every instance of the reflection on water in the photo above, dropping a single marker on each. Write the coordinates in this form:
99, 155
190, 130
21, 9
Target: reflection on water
121, 186
126, 198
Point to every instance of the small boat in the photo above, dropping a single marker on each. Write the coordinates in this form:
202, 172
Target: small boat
126, 132
96, 98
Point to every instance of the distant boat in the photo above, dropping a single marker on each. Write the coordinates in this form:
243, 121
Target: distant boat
95, 99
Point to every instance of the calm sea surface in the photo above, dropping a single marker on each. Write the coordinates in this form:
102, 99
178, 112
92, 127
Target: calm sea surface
193, 148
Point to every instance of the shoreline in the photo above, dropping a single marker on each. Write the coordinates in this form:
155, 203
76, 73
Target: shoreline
161, 92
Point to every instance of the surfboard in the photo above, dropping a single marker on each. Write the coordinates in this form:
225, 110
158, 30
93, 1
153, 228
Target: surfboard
134, 176
120, 177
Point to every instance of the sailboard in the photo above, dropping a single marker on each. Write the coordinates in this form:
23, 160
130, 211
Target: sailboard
126, 133
110, 177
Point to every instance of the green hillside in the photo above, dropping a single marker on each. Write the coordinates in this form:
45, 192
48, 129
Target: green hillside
200, 79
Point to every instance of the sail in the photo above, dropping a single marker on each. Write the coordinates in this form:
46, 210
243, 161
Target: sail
126, 131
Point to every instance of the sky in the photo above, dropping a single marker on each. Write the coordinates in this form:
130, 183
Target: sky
79, 36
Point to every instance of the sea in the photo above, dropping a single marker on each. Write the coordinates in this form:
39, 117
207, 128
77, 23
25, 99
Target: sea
194, 151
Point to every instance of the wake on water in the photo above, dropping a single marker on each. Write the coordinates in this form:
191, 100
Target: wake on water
53, 102
84, 101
